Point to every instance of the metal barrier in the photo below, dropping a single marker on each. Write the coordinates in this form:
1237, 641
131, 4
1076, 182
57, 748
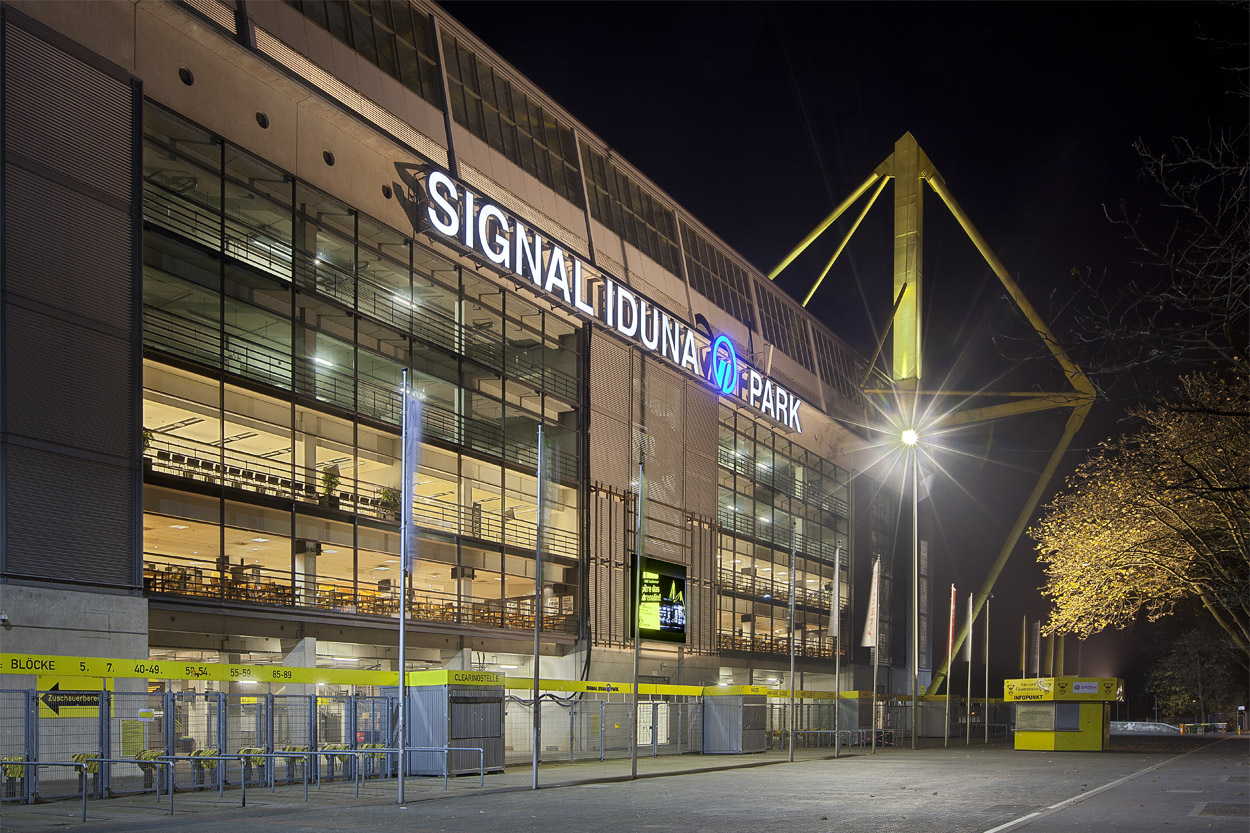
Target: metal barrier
149, 762
82, 771
846, 737
221, 771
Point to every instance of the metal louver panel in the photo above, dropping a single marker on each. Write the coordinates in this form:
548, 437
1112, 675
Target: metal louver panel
67, 384
66, 518
71, 337
73, 274
57, 109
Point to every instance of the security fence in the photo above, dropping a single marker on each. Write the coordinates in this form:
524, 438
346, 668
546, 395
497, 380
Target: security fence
590, 728
142, 742
121, 738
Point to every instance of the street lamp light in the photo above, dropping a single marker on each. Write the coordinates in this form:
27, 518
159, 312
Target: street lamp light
910, 437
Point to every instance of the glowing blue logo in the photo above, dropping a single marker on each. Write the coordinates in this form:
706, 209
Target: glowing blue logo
724, 365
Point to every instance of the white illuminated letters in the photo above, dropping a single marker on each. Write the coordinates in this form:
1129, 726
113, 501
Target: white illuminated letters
498, 252
626, 301
481, 226
442, 195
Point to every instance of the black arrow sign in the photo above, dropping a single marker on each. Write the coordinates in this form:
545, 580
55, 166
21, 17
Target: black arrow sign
54, 698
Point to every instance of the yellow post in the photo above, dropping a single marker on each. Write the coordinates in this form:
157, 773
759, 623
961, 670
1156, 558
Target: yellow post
910, 166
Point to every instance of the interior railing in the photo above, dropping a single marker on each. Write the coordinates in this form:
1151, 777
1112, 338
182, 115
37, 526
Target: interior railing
210, 463
171, 575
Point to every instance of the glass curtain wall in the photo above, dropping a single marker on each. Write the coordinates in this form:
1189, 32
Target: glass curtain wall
780, 508
278, 322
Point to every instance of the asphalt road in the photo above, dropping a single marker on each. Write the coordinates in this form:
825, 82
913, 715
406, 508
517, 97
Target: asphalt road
1185, 783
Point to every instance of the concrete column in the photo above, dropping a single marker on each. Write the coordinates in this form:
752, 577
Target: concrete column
303, 654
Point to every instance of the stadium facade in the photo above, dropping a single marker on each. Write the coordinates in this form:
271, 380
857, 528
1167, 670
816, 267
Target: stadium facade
228, 230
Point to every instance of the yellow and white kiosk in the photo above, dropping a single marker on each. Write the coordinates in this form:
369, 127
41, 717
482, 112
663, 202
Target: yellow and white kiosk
1062, 713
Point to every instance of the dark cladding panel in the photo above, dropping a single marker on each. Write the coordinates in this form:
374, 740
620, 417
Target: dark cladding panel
62, 114
66, 518
70, 422
67, 385
78, 272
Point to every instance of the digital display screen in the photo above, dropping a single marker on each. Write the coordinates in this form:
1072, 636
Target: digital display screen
661, 600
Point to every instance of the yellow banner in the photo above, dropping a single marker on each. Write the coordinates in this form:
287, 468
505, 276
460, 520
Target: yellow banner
108, 668
1050, 689
170, 670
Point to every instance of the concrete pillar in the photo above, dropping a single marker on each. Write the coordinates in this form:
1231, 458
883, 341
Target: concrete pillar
303, 654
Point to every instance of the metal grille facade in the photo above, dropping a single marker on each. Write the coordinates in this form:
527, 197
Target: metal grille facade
70, 323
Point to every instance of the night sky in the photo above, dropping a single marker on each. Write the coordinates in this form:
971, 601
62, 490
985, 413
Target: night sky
759, 118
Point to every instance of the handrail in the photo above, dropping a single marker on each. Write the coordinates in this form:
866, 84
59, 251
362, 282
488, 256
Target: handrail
307, 756
82, 771
153, 762
481, 767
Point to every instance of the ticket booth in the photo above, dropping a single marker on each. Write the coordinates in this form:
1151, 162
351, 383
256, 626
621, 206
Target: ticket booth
1062, 713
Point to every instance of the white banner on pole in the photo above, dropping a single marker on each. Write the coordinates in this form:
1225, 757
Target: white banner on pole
870, 624
835, 601
967, 652
950, 630
410, 461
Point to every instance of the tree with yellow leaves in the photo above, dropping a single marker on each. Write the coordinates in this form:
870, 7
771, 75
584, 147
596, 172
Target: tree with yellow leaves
1156, 517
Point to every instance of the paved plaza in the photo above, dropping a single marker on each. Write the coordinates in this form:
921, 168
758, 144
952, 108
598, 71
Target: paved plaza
1184, 783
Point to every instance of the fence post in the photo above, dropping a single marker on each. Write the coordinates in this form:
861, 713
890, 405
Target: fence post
655, 729
312, 736
271, 764
167, 730
603, 729
106, 751
32, 745
572, 718
221, 742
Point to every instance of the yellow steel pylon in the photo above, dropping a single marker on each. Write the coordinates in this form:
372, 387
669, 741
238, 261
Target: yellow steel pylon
909, 168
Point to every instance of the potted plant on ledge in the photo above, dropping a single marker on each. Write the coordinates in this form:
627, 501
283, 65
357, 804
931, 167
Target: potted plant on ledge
388, 503
329, 486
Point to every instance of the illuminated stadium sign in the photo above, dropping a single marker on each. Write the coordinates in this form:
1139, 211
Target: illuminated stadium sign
481, 227
661, 600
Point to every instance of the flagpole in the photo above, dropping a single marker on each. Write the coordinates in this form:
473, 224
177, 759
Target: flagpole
835, 626
793, 552
872, 639
986, 721
968, 642
538, 612
950, 641
876, 648
633, 729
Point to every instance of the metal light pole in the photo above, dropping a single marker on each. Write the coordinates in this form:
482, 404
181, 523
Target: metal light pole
403, 587
835, 628
793, 552
633, 729
538, 612
910, 438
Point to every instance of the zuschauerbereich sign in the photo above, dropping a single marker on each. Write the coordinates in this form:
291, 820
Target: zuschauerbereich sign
478, 225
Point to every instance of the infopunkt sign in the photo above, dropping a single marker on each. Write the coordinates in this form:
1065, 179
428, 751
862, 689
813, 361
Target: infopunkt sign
480, 226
